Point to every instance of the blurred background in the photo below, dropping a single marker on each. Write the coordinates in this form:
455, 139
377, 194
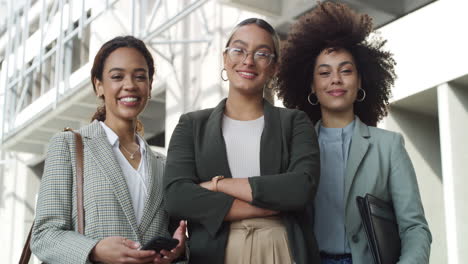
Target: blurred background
46, 53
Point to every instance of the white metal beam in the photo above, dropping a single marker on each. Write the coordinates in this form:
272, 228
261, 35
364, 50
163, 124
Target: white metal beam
175, 19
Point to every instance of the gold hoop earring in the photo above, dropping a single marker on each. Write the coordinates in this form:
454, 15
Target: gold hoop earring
310, 101
363, 95
140, 128
222, 78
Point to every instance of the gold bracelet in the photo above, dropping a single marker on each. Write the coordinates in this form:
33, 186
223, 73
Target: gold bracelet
215, 180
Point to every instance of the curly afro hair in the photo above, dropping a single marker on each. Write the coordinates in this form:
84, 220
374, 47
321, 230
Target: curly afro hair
336, 26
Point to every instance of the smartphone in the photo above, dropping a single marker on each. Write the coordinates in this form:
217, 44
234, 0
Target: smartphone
159, 243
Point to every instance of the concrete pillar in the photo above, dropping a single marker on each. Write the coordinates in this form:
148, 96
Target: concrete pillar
18, 205
453, 121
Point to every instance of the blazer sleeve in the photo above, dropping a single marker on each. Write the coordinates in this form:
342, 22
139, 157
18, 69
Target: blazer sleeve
184, 198
53, 238
296, 188
414, 231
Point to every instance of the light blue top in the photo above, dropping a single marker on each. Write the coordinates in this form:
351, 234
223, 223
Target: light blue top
330, 201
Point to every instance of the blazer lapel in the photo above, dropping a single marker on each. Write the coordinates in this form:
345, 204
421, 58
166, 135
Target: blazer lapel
270, 147
96, 140
270, 143
155, 196
214, 142
358, 149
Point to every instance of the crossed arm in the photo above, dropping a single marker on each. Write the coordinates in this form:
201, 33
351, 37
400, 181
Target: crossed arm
241, 191
236, 199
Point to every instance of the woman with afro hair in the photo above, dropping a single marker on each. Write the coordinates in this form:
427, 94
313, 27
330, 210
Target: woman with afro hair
341, 78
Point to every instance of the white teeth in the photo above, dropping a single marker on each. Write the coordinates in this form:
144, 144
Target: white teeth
129, 99
247, 73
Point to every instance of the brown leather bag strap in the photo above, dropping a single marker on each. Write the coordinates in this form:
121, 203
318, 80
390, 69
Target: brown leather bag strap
79, 179
26, 254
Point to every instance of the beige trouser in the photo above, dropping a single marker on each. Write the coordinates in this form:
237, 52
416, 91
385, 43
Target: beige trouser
258, 241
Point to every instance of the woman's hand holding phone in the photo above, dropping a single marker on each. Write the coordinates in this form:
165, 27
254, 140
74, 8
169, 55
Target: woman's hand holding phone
167, 256
118, 249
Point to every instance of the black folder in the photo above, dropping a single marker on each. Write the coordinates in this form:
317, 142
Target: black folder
379, 222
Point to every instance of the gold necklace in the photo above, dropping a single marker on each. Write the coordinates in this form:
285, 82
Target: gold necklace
132, 155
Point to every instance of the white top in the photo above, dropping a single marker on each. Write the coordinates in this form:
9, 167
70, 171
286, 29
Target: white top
242, 139
137, 180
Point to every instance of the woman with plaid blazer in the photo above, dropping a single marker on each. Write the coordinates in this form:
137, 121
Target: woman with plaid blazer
123, 199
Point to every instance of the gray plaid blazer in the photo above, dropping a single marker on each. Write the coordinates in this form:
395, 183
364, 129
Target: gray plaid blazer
107, 202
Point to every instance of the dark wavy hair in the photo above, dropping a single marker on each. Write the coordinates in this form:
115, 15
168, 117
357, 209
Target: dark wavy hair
336, 26
104, 52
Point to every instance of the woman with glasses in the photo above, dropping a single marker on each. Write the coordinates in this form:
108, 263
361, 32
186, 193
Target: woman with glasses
342, 80
242, 173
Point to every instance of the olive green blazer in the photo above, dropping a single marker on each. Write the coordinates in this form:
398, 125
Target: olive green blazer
379, 164
289, 165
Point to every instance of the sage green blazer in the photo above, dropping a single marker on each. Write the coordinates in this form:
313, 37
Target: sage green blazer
379, 164
289, 165
108, 209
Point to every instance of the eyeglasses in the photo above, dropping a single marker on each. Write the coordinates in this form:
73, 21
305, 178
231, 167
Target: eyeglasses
260, 58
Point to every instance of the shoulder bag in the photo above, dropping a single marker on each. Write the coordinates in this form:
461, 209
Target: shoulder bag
26, 255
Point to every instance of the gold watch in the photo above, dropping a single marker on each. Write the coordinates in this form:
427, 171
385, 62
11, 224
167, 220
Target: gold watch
215, 180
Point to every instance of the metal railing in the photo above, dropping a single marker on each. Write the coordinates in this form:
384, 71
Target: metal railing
48, 40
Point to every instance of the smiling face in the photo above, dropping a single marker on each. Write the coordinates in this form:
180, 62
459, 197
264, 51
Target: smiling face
125, 84
247, 76
336, 81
